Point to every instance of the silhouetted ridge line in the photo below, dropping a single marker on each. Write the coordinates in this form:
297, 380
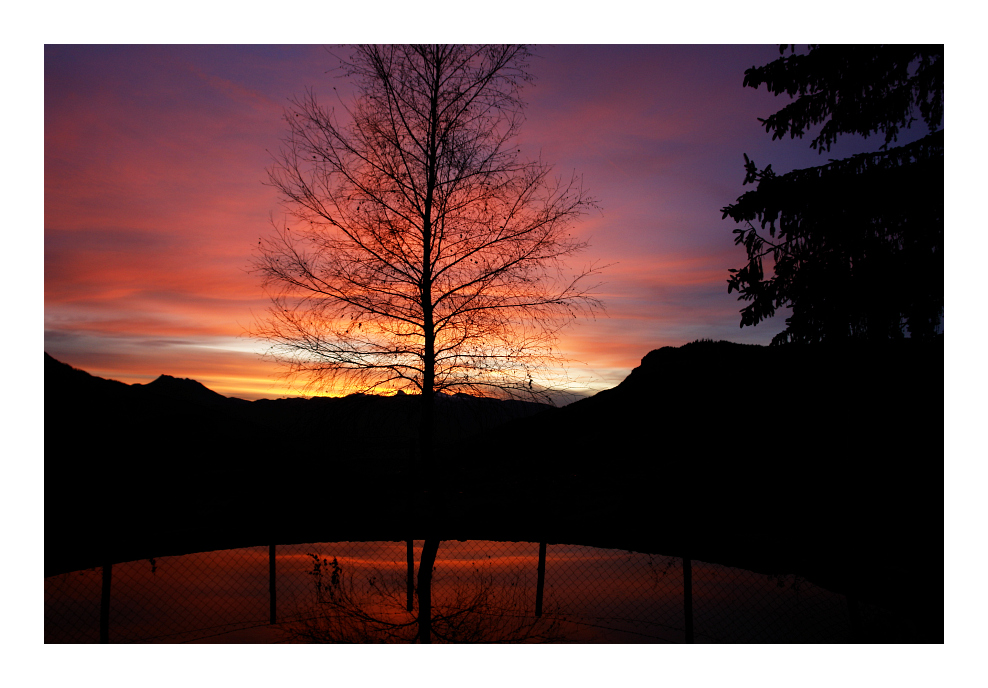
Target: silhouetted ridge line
800, 458
822, 461
61, 378
188, 390
174, 460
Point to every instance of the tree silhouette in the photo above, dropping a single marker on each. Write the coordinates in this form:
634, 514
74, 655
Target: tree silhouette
856, 244
426, 254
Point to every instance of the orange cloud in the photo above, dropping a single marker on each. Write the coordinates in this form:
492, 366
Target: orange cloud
155, 158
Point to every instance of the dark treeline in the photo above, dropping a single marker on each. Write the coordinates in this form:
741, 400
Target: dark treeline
826, 461
173, 464
779, 459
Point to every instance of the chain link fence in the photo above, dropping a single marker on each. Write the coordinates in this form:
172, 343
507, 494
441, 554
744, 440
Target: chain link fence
482, 592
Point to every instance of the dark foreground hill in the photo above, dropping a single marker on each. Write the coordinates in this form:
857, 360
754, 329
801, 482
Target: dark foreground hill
825, 462
132, 469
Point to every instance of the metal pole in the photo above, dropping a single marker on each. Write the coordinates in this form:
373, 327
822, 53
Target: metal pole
688, 597
272, 588
410, 583
541, 584
104, 605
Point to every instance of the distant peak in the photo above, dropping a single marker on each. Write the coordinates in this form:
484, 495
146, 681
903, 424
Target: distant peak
171, 380
183, 387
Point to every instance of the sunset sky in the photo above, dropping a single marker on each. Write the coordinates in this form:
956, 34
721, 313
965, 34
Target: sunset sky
155, 160
153, 167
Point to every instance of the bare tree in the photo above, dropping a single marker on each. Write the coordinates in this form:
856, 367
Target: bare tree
427, 255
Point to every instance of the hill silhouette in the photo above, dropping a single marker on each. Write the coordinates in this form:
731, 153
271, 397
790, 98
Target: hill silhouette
187, 390
826, 461
172, 462
821, 461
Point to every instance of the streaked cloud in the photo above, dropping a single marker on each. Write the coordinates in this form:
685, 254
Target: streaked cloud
155, 160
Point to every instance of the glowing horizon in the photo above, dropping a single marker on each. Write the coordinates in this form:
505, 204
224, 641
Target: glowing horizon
154, 201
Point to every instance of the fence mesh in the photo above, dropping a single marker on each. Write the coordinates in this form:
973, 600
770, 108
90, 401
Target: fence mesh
482, 591
733, 605
72, 607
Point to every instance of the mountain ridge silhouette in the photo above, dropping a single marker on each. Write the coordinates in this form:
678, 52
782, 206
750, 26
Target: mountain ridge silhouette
187, 389
821, 460
171, 460
779, 459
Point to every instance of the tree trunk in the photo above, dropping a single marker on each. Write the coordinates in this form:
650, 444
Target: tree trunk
429, 550
426, 429
426, 432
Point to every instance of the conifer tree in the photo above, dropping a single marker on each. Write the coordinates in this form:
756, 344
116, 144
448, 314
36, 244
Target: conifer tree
856, 245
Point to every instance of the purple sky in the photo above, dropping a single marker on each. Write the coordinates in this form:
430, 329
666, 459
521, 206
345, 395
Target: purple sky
155, 158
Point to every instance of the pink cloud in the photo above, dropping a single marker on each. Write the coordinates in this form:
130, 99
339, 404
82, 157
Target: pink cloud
155, 158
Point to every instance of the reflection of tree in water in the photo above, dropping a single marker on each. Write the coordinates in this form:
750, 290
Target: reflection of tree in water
354, 608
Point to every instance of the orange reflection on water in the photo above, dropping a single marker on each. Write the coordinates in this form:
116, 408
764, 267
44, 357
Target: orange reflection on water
594, 595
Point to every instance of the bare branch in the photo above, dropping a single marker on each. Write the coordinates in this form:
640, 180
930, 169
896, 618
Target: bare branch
424, 253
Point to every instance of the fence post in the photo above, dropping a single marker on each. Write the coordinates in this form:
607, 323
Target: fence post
104, 605
272, 588
688, 597
410, 582
540, 586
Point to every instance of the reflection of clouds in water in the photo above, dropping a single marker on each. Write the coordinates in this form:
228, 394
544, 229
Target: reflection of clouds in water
591, 595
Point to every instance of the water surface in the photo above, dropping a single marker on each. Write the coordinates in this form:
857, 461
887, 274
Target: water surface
487, 588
